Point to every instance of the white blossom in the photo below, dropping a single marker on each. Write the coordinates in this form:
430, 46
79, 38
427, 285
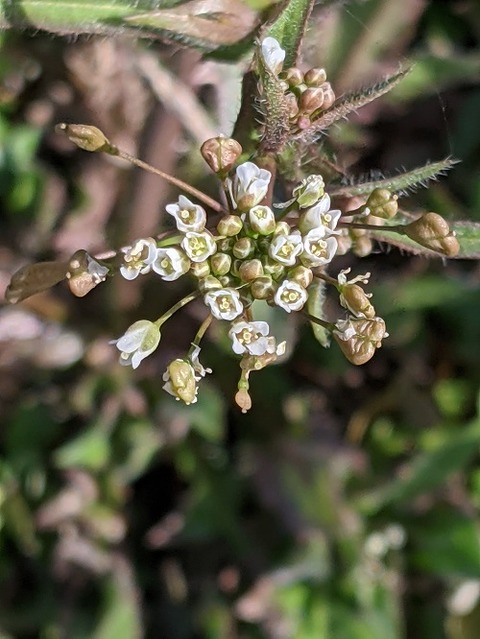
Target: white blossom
250, 185
224, 303
199, 369
290, 296
251, 338
262, 219
188, 216
320, 216
138, 258
138, 342
199, 246
318, 249
170, 263
309, 191
286, 248
272, 54
97, 272
342, 278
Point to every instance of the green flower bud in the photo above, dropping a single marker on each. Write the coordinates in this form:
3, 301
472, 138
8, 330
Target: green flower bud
221, 153
250, 270
226, 281
315, 77
382, 203
220, 263
273, 268
243, 247
209, 283
262, 288
200, 269
282, 228
225, 245
85, 137
302, 275
229, 225
432, 231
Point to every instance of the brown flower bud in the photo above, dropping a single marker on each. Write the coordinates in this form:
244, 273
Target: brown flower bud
292, 103
229, 225
315, 77
302, 275
311, 100
209, 283
243, 400
432, 231
329, 96
221, 153
293, 76
359, 338
200, 269
243, 248
249, 270
84, 273
220, 263
262, 288
85, 137
382, 203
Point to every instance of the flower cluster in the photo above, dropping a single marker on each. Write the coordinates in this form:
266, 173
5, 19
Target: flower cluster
259, 249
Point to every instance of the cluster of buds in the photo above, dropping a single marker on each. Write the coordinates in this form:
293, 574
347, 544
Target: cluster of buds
258, 250
308, 93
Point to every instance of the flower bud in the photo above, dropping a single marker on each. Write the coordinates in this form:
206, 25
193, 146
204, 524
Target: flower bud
85, 137
249, 270
243, 400
432, 231
315, 77
262, 219
181, 381
282, 228
311, 100
243, 247
221, 153
84, 273
209, 283
329, 96
309, 191
225, 245
226, 281
382, 203
273, 268
229, 225
302, 275
293, 76
292, 103
359, 338
354, 298
220, 263
262, 288
200, 269
272, 54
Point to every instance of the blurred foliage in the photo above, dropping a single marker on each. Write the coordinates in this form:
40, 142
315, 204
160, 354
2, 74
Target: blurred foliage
345, 504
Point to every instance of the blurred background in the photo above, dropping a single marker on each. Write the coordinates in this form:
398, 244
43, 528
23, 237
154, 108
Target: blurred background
345, 504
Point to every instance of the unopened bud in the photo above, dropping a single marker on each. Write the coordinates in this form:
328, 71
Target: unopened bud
85, 137
243, 248
262, 288
200, 269
293, 76
309, 191
249, 270
432, 231
220, 263
359, 338
302, 275
84, 273
209, 283
243, 400
311, 100
382, 203
315, 77
354, 298
329, 96
262, 219
221, 153
273, 268
282, 228
181, 382
229, 225
292, 105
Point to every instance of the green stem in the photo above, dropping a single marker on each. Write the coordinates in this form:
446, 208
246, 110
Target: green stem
398, 228
176, 307
316, 320
201, 332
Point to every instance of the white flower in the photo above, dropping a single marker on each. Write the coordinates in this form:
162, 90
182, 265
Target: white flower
251, 338
188, 216
170, 263
97, 272
290, 296
319, 249
224, 303
139, 341
199, 246
342, 278
199, 369
309, 191
286, 248
250, 185
262, 219
272, 54
320, 216
138, 258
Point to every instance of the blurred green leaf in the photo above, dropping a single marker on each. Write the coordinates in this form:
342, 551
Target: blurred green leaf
91, 449
121, 618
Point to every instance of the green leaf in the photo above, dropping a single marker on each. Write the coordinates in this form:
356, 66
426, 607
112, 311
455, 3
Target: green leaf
428, 470
468, 236
207, 23
315, 304
90, 449
121, 618
288, 27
